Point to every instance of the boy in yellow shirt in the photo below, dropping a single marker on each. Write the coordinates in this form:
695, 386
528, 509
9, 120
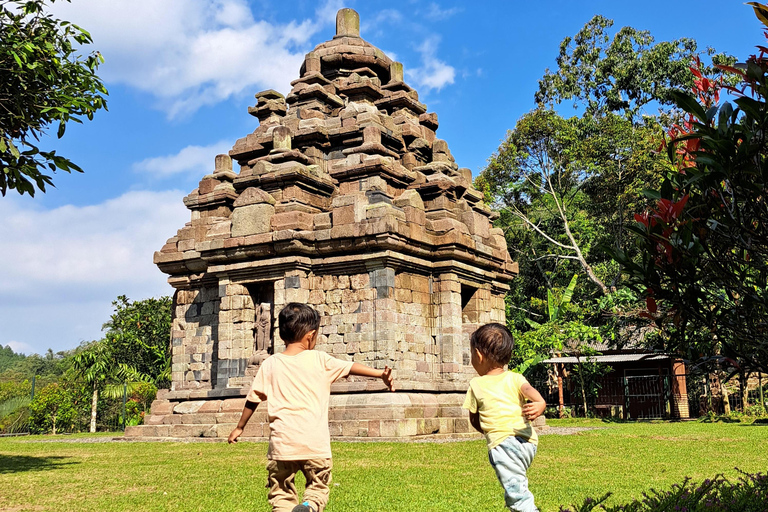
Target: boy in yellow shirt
296, 385
497, 406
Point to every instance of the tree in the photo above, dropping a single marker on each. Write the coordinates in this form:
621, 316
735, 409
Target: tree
99, 367
566, 188
544, 339
53, 408
562, 333
535, 176
8, 358
622, 74
43, 82
138, 337
704, 245
94, 366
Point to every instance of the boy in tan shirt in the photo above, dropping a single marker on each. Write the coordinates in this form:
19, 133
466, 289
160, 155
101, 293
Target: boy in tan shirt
296, 384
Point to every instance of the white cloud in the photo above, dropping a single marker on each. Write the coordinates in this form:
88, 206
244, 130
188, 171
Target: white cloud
193, 160
433, 73
190, 53
62, 267
20, 348
434, 12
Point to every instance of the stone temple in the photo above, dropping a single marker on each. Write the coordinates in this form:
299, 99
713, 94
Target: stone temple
344, 199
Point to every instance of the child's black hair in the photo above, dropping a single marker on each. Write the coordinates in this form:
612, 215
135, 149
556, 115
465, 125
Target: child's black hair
295, 320
494, 341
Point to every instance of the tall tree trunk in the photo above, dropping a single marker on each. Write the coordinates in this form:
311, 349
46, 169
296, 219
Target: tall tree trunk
583, 392
744, 385
94, 403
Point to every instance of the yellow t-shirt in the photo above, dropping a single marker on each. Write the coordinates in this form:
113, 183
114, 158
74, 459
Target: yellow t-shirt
499, 401
298, 390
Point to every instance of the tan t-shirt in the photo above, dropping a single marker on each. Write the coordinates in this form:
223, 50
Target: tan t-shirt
499, 401
298, 389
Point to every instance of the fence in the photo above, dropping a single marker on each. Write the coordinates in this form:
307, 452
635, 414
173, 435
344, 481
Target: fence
646, 397
15, 413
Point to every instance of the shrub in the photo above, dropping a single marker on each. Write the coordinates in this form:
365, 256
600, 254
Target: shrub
57, 408
755, 411
749, 494
554, 412
14, 415
12, 389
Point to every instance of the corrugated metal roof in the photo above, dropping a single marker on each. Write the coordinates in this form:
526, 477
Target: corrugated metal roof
616, 358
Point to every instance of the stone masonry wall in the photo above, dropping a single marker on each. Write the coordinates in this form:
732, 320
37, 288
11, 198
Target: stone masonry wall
194, 337
417, 324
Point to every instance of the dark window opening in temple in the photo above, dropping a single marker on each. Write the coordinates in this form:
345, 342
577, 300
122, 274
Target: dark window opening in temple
469, 310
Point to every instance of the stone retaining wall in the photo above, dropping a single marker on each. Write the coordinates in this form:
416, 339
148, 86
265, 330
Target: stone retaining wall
363, 415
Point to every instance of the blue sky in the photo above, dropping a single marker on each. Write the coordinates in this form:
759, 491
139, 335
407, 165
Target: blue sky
181, 75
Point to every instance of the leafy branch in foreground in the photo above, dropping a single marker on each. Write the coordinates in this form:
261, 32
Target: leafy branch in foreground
704, 246
43, 82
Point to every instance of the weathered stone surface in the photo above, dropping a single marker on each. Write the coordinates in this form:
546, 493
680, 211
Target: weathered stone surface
253, 219
253, 195
188, 407
347, 23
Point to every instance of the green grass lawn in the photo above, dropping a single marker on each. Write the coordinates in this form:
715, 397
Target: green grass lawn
625, 459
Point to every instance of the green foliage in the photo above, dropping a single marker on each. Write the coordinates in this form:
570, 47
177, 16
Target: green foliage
535, 345
43, 82
14, 389
704, 246
94, 364
8, 358
56, 408
143, 395
619, 74
14, 415
565, 189
134, 356
49, 366
138, 337
14, 399
554, 413
748, 494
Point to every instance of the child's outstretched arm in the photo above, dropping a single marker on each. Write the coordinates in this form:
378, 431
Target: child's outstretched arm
536, 406
247, 413
366, 371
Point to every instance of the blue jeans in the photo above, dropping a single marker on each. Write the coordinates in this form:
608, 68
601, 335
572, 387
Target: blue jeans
511, 460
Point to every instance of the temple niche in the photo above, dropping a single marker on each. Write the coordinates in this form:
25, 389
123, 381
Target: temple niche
344, 199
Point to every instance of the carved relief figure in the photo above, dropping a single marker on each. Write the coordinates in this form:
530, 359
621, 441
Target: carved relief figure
261, 332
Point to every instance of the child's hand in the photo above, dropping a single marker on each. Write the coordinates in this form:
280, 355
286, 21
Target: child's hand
234, 435
386, 376
533, 410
